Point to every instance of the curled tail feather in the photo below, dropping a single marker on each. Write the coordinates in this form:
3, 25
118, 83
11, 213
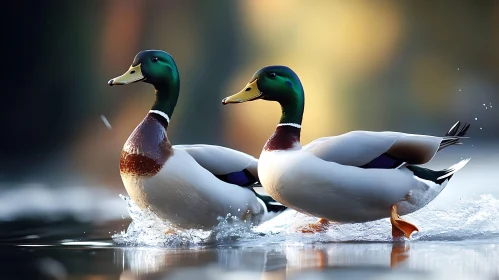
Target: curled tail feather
448, 172
454, 135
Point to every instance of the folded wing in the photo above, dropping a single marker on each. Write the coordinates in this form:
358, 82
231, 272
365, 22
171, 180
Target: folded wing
384, 150
376, 149
228, 165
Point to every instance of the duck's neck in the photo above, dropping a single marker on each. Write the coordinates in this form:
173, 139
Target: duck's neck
166, 100
287, 132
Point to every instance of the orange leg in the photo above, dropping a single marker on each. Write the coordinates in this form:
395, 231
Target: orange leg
321, 225
400, 227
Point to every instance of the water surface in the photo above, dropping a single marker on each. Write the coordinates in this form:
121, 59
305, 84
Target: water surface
83, 233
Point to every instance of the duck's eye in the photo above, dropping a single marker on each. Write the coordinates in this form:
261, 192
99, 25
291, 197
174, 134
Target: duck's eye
272, 75
155, 59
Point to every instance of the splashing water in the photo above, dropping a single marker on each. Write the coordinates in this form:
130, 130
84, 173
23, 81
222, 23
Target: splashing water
106, 122
471, 219
149, 230
468, 219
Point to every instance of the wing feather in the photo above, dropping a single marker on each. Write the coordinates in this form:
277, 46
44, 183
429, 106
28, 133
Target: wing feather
227, 164
375, 149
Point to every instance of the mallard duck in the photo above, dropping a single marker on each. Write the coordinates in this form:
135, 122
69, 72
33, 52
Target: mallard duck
359, 176
187, 185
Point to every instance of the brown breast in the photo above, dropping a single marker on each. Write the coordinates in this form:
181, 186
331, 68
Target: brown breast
147, 148
284, 137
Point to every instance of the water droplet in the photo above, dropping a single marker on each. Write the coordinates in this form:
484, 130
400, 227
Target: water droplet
483, 104
458, 69
106, 122
459, 89
123, 217
476, 119
480, 128
238, 209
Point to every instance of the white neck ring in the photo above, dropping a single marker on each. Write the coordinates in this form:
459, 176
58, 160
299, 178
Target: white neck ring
163, 114
290, 124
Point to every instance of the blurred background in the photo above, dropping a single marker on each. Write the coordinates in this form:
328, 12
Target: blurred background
409, 66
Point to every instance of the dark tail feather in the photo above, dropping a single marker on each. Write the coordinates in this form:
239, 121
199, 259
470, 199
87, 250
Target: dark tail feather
454, 130
455, 134
271, 204
437, 176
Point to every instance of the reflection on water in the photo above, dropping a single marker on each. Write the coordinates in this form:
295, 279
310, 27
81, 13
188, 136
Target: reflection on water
318, 261
413, 260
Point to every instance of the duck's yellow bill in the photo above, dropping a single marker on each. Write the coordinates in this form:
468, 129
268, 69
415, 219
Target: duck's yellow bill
249, 92
134, 74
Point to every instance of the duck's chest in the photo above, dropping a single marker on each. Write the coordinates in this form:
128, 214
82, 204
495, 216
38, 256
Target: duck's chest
275, 169
147, 149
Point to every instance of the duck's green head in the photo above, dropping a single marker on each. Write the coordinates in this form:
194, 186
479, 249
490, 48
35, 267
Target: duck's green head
155, 67
274, 83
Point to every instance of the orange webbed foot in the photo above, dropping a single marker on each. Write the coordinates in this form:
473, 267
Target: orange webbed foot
400, 227
320, 226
